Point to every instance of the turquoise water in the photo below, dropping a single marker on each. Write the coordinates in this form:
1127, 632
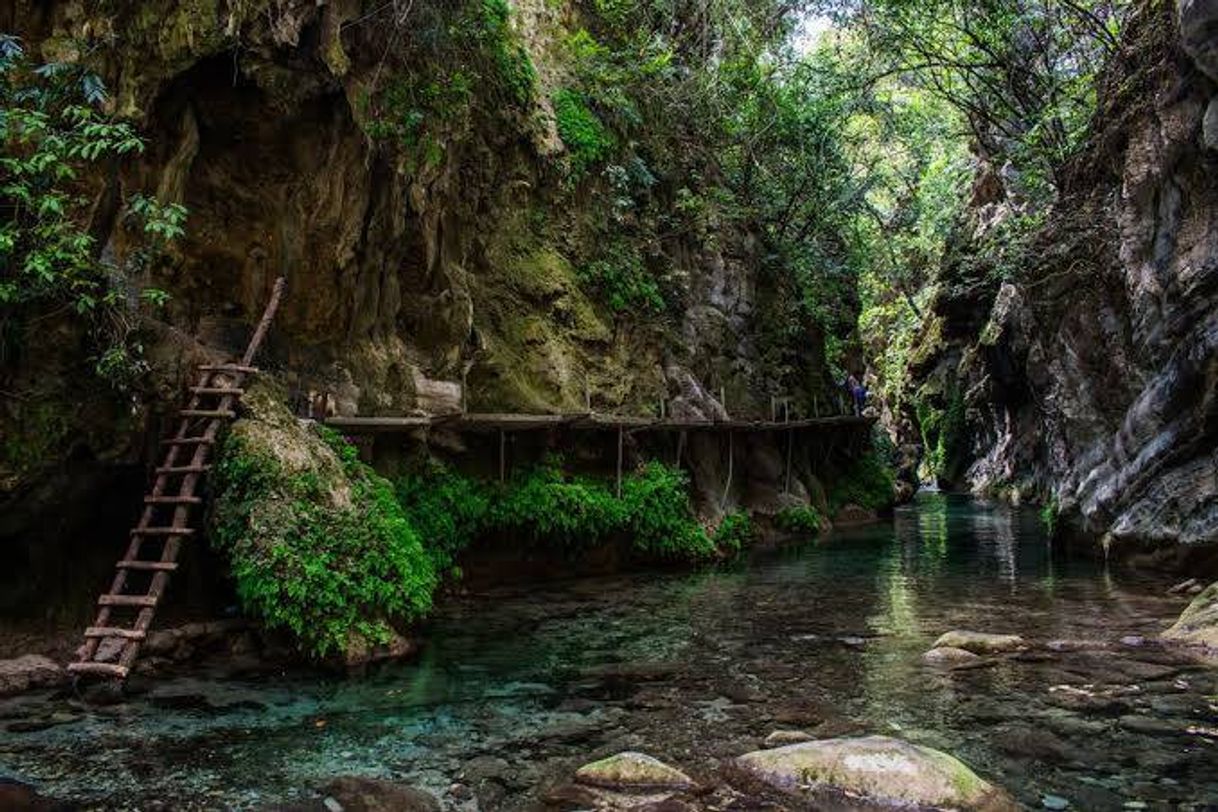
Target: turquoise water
517, 688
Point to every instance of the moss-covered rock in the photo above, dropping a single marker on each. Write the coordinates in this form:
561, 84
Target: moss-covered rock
318, 544
979, 642
1198, 623
632, 771
872, 772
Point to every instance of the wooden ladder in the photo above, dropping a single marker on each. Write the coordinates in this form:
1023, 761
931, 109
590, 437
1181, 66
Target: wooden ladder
142, 574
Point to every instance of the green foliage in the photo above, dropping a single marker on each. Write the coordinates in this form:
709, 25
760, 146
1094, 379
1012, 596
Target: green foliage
658, 515
461, 51
868, 483
587, 139
735, 532
446, 509
622, 281
546, 506
53, 133
319, 565
1049, 512
804, 520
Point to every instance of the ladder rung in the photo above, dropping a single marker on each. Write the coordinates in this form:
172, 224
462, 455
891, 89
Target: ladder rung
105, 669
189, 441
108, 631
127, 600
213, 413
162, 531
173, 500
147, 566
239, 368
217, 390
183, 469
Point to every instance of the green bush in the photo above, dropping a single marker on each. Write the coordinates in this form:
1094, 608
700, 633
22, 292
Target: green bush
621, 280
587, 139
804, 520
545, 506
735, 532
446, 509
53, 131
321, 568
868, 483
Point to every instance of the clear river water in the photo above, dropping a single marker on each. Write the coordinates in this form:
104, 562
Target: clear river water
517, 688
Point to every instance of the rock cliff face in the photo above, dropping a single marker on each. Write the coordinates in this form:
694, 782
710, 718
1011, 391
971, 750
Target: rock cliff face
1090, 379
429, 262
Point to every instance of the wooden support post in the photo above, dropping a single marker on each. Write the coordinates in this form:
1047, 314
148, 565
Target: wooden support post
680, 447
816, 405
723, 399
620, 451
773, 409
588, 395
786, 484
502, 456
731, 454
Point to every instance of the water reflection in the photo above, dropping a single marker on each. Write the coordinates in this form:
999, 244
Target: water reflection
694, 668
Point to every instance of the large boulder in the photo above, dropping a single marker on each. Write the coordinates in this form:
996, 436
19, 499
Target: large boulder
872, 772
1198, 624
980, 642
29, 671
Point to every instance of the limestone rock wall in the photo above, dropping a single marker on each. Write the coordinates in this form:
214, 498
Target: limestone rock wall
1091, 382
412, 283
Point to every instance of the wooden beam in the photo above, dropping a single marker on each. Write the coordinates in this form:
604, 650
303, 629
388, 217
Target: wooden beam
786, 482
502, 456
731, 454
621, 435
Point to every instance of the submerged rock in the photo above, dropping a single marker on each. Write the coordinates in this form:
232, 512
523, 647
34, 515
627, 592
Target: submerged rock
872, 772
29, 671
632, 771
980, 642
950, 656
1198, 623
355, 794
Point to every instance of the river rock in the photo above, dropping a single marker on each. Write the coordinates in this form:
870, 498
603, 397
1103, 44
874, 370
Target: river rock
980, 642
781, 738
632, 771
29, 671
355, 794
871, 772
1198, 624
950, 656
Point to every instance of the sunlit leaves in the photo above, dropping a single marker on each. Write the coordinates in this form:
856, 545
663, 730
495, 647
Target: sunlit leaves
53, 130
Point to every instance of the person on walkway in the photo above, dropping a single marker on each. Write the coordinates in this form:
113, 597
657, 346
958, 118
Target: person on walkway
860, 399
852, 389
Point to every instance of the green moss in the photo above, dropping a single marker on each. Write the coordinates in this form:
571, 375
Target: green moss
322, 548
868, 483
587, 139
804, 520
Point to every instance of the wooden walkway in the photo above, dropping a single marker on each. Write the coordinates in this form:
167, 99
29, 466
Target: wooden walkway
473, 422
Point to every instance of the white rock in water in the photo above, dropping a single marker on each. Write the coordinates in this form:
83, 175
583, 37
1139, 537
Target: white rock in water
632, 771
781, 738
980, 642
875, 770
946, 655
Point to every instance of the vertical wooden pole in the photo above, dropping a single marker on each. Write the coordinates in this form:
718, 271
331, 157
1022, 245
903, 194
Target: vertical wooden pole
680, 446
723, 399
786, 485
502, 456
731, 454
620, 451
588, 395
773, 409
